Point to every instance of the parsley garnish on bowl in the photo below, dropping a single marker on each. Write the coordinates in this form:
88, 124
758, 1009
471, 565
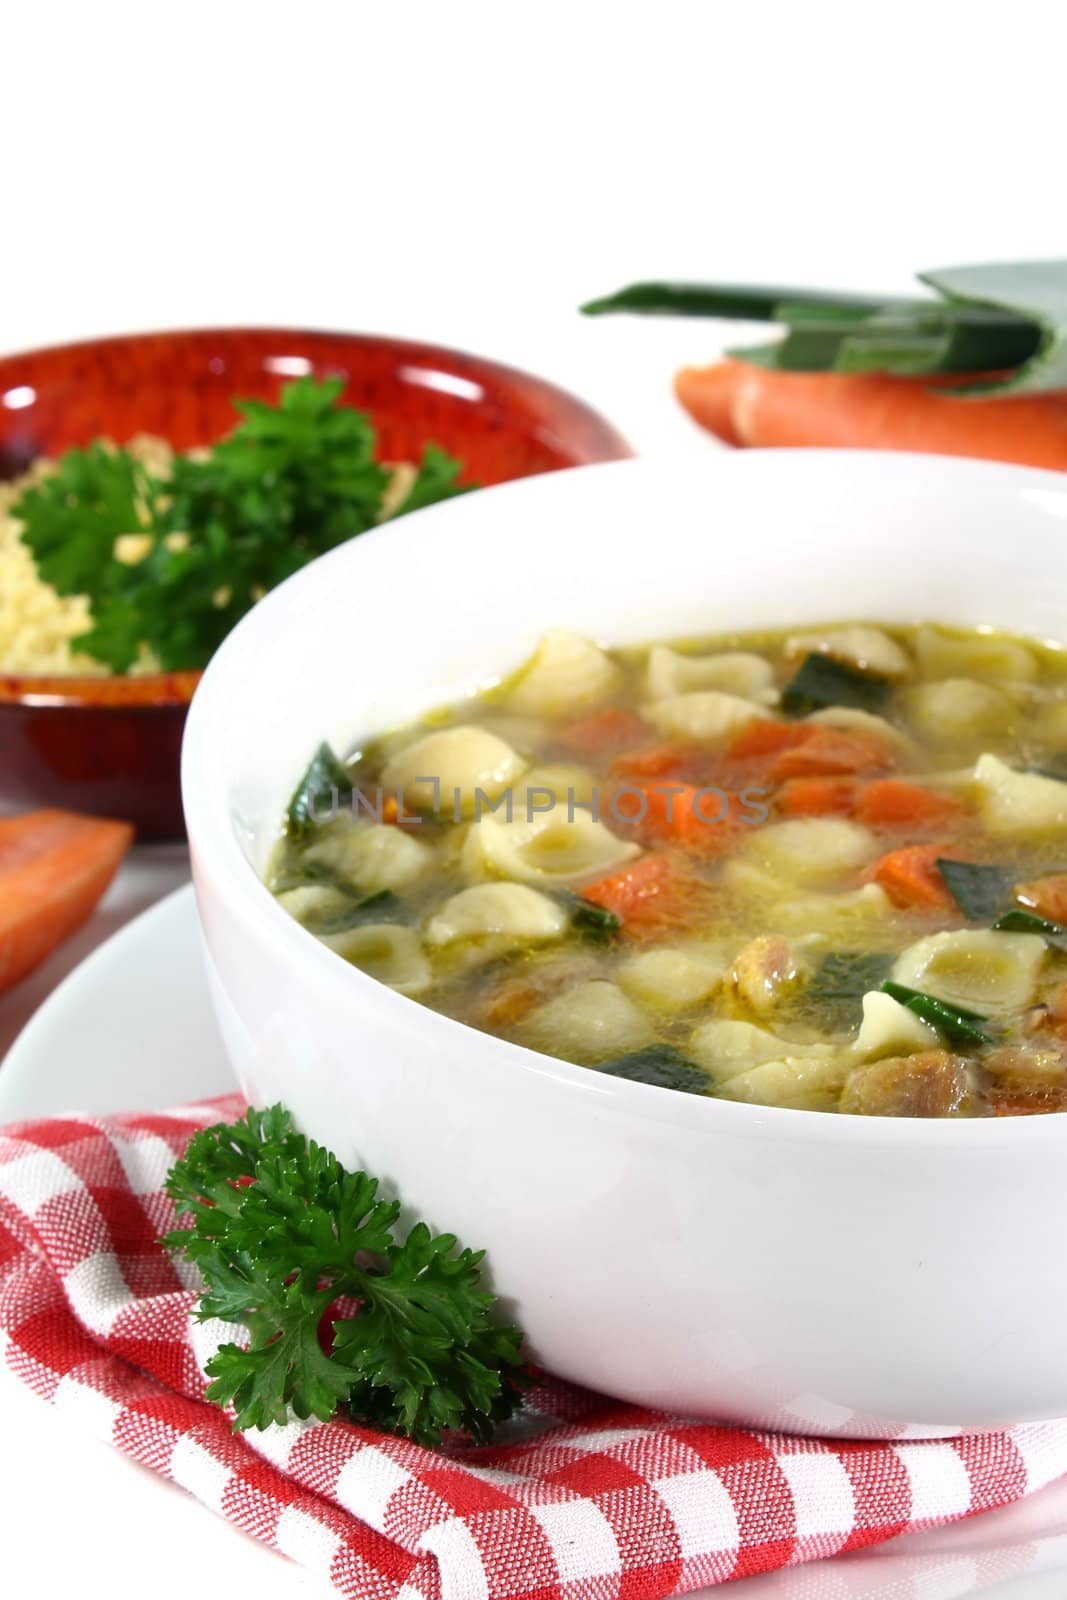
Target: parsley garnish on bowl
172, 557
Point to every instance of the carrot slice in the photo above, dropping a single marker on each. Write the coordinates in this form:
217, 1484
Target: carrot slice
512, 1001
1046, 896
817, 797
763, 739
699, 819
650, 895
621, 891
831, 752
54, 866
911, 879
652, 761
610, 729
749, 405
892, 803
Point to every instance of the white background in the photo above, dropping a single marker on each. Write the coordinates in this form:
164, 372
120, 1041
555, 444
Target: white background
469, 172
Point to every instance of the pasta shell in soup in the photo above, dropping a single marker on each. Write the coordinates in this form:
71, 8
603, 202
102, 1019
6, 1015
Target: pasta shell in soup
705, 717
372, 857
567, 673
509, 910
384, 951
974, 654
447, 771
551, 848
734, 672
978, 968
593, 1022
1019, 803
869, 649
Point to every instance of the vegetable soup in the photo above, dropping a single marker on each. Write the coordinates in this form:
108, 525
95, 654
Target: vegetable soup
823, 869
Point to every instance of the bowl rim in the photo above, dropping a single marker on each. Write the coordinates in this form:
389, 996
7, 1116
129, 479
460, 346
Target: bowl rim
152, 691
213, 840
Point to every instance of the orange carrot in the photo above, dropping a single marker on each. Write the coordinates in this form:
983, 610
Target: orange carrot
762, 740
650, 895
749, 405
54, 866
892, 803
911, 879
508, 1004
817, 797
390, 812
610, 729
651, 761
705, 820
1046, 896
832, 752
621, 892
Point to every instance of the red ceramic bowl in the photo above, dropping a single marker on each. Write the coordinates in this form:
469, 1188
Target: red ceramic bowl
111, 746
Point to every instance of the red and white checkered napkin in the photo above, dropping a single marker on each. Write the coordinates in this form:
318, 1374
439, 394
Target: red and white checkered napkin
589, 1499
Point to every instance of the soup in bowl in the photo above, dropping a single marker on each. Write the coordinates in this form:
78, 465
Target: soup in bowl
781, 868
509, 1061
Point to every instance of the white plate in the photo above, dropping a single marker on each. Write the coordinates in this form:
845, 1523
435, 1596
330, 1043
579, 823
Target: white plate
132, 1028
129, 1029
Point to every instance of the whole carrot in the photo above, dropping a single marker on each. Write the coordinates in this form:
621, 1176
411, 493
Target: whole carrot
745, 404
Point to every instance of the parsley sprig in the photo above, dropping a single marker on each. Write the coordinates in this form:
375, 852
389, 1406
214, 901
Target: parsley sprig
341, 1313
292, 481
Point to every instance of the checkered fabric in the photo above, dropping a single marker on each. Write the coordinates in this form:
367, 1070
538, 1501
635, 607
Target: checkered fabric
585, 1499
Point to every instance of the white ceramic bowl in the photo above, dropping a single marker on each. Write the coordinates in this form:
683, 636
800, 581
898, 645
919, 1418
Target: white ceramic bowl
837, 1275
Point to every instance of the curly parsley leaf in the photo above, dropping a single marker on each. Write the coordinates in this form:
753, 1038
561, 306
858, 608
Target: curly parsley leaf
291, 481
72, 518
288, 1243
435, 480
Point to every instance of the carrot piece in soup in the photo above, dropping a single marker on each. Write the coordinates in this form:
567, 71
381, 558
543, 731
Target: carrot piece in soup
700, 819
610, 729
1045, 896
651, 761
911, 879
892, 803
762, 740
832, 752
650, 895
817, 797
621, 891
509, 1003
54, 866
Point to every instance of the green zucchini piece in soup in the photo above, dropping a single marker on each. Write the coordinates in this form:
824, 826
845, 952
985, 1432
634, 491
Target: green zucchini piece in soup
324, 786
821, 681
981, 890
662, 1065
839, 985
